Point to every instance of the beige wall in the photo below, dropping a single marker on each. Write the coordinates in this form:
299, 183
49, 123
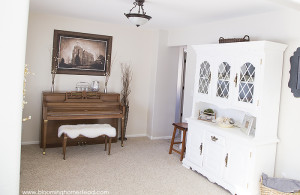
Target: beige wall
130, 44
275, 26
164, 94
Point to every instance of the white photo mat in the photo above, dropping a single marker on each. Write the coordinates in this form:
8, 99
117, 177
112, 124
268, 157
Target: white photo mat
247, 124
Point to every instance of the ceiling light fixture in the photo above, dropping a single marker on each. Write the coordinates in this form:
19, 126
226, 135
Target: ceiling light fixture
140, 17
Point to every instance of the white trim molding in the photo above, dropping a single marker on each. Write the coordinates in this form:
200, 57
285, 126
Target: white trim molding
134, 135
137, 135
156, 138
38, 142
30, 142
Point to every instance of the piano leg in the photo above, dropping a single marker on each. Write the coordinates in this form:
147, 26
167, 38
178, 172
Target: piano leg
122, 132
44, 136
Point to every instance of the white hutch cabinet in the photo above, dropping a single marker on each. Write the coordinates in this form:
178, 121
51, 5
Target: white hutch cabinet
236, 79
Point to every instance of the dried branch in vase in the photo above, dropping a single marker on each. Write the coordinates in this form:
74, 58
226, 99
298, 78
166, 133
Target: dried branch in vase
126, 79
109, 72
53, 72
26, 72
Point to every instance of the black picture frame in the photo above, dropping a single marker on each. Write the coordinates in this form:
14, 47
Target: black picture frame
81, 53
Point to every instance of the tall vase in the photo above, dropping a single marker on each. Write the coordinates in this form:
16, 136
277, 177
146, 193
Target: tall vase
52, 87
105, 89
125, 122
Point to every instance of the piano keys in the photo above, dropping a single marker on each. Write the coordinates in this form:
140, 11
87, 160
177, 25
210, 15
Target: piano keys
78, 107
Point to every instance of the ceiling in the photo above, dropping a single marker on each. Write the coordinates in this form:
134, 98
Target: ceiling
165, 14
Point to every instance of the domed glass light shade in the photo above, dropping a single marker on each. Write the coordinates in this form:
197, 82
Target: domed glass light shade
140, 17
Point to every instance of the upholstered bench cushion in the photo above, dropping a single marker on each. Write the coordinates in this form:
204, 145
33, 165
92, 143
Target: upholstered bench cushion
87, 130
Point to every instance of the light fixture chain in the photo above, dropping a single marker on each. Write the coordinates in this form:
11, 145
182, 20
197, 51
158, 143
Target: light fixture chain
143, 9
135, 4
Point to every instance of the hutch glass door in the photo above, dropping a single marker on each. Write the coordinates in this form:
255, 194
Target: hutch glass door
204, 78
223, 80
246, 83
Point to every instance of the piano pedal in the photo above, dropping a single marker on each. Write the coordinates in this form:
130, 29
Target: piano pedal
82, 143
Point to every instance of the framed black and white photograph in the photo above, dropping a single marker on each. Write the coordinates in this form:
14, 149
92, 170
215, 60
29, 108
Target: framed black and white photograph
247, 124
81, 53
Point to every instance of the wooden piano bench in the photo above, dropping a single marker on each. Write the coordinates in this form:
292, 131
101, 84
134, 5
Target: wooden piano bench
86, 130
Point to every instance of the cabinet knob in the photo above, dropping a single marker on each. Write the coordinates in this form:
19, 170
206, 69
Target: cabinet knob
235, 79
200, 147
213, 138
226, 160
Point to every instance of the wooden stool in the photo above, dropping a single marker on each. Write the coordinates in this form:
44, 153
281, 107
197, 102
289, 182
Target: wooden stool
182, 127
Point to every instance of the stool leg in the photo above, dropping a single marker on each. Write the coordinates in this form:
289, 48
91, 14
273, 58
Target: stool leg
109, 145
65, 145
183, 145
105, 142
172, 142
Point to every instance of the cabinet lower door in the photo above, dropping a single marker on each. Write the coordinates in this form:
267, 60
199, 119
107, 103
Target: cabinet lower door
214, 158
196, 156
237, 167
194, 150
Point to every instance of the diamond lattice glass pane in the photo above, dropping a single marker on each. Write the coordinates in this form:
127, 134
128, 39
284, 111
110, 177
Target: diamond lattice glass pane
247, 73
246, 87
223, 80
204, 79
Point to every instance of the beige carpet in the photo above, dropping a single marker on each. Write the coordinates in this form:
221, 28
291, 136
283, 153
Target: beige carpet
143, 166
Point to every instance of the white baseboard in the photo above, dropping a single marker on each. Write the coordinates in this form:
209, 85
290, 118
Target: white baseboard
136, 135
38, 142
156, 138
30, 143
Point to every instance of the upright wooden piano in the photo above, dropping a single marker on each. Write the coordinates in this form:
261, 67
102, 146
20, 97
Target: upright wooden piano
79, 108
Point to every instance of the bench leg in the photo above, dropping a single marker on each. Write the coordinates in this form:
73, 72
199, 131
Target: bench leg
105, 137
65, 145
109, 145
